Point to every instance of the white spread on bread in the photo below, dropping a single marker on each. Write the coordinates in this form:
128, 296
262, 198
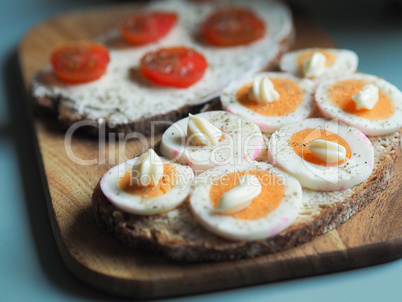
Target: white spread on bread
315, 65
327, 151
367, 97
147, 169
200, 132
240, 197
263, 91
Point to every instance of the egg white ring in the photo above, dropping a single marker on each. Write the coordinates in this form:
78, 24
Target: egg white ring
346, 63
145, 206
354, 171
238, 229
367, 126
242, 141
269, 124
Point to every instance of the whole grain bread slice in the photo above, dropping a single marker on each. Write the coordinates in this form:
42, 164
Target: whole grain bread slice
177, 236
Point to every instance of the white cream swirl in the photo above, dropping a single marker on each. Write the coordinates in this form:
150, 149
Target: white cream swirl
327, 151
240, 197
263, 91
201, 132
367, 97
147, 169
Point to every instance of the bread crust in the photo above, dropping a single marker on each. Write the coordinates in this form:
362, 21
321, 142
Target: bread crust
177, 236
67, 116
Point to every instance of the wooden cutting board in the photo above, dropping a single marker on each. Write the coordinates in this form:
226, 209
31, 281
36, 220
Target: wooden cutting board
373, 236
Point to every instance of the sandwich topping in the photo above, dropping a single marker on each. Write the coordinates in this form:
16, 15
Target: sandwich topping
328, 151
262, 90
352, 96
80, 62
320, 147
147, 27
319, 64
239, 197
245, 202
148, 169
315, 65
326, 56
178, 67
200, 132
271, 100
323, 155
147, 185
367, 97
237, 140
364, 101
233, 26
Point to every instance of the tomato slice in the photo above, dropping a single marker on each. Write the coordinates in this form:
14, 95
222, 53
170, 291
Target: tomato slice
178, 67
80, 62
147, 27
232, 26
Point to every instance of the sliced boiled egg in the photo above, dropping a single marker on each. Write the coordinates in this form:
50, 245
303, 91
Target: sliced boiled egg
364, 101
210, 139
270, 99
323, 155
319, 63
276, 198
139, 186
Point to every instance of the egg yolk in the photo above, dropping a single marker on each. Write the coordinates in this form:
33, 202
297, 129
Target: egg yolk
272, 192
340, 94
290, 98
300, 140
330, 58
166, 183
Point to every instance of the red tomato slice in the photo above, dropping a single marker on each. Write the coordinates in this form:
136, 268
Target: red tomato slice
147, 27
80, 62
232, 26
179, 67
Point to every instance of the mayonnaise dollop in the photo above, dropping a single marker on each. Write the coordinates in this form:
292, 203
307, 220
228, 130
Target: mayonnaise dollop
240, 197
315, 65
367, 97
327, 151
201, 132
147, 169
263, 91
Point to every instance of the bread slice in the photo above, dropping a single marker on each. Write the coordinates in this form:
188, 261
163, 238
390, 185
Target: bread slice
177, 236
125, 102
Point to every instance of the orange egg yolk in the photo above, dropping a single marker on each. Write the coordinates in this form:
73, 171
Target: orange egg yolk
340, 94
330, 58
166, 183
300, 141
272, 191
290, 98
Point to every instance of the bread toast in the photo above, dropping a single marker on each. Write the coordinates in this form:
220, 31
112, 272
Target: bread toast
133, 106
177, 236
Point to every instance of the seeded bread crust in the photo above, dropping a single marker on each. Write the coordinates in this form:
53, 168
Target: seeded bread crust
67, 115
177, 236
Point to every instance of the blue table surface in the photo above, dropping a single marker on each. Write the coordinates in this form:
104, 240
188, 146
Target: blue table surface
30, 265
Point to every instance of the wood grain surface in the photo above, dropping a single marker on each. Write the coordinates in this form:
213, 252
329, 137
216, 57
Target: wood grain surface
373, 236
